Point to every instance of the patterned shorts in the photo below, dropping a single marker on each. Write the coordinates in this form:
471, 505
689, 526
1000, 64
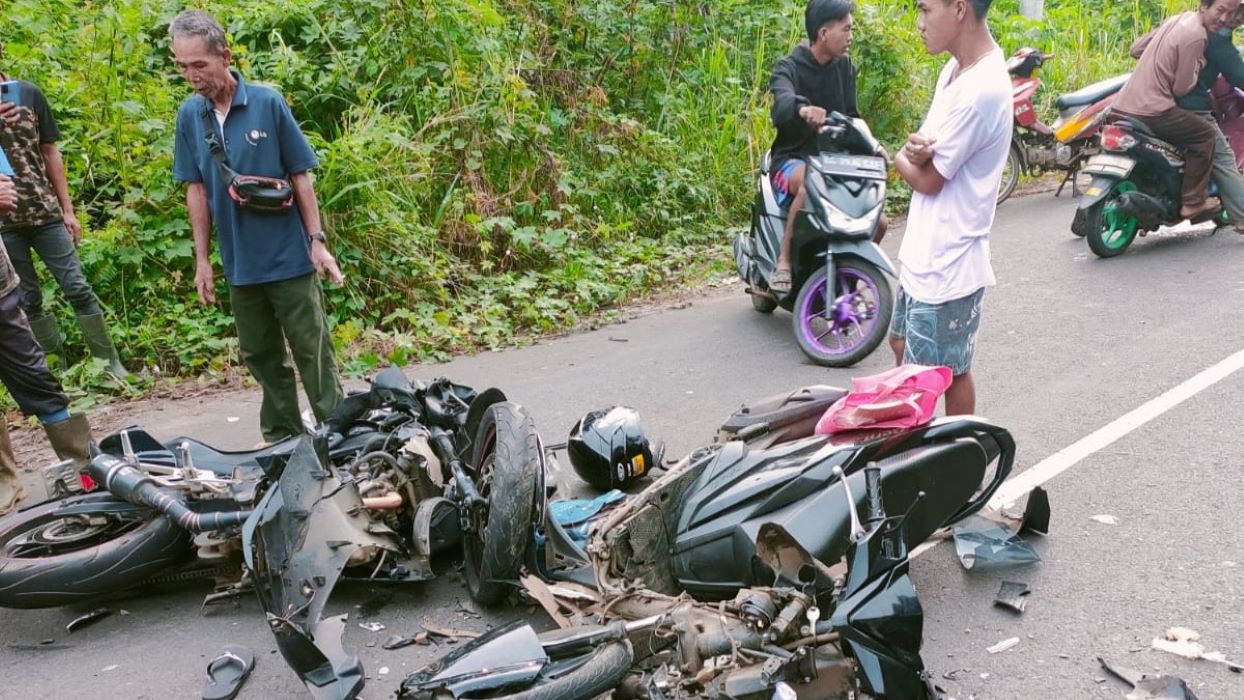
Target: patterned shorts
938, 334
781, 180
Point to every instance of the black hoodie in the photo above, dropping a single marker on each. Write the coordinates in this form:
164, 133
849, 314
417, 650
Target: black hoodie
799, 80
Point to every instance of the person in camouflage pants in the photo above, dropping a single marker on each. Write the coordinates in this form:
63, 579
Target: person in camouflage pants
44, 221
24, 372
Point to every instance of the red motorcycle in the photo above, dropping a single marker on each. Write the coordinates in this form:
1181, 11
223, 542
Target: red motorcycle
1036, 147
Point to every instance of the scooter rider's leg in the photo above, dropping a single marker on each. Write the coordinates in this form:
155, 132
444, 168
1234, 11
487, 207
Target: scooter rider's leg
883, 225
794, 186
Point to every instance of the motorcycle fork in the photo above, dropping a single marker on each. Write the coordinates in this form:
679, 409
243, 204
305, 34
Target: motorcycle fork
831, 284
471, 500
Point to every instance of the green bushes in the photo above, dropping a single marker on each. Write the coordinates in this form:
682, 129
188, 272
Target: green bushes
489, 168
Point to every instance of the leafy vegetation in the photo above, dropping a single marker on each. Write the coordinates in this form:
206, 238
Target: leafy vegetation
490, 169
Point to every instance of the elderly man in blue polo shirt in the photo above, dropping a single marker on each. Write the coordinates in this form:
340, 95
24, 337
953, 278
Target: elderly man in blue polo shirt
271, 259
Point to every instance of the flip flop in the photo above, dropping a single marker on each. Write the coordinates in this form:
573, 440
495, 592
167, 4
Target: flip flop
227, 672
780, 281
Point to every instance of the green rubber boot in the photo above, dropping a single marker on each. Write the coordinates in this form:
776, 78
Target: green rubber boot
100, 344
47, 333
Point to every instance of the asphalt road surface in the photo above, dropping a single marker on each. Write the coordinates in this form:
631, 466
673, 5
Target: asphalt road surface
1068, 344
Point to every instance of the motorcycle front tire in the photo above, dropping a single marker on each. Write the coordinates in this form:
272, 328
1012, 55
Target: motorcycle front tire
82, 563
599, 674
814, 293
505, 469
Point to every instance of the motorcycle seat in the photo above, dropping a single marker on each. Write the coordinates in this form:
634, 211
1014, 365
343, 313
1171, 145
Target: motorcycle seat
1092, 93
1135, 125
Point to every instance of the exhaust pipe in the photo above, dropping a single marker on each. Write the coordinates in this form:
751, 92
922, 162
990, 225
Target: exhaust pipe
135, 486
1141, 206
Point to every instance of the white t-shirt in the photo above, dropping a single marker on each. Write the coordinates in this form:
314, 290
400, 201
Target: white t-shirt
945, 251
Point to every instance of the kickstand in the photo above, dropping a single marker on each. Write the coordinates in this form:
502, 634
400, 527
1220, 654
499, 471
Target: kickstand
1070, 177
231, 592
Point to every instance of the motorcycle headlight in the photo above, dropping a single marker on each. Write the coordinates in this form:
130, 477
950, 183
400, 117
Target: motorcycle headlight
844, 223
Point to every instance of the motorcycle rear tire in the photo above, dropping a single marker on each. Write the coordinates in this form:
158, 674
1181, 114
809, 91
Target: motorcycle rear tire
150, 545
1096, 218
763, 304
599, 674
506, 468
1010, 173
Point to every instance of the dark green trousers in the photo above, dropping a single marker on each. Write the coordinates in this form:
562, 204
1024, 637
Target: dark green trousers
269, 315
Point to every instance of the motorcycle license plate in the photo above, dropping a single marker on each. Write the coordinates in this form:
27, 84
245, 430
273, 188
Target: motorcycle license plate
845, 165
1109, 164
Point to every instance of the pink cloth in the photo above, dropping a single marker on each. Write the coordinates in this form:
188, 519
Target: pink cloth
903, 397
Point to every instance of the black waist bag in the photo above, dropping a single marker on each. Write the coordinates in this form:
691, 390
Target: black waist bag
265, 195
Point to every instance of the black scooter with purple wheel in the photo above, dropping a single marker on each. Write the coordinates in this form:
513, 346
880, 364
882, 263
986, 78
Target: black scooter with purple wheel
841, 295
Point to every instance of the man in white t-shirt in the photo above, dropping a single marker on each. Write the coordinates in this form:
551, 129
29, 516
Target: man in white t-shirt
954, 165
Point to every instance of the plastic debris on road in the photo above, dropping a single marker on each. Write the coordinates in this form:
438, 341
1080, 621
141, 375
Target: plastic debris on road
981, 543
1185, 642
1003, 645
1013, 595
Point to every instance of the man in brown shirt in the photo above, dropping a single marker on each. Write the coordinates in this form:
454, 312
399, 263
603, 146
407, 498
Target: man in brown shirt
1168, 69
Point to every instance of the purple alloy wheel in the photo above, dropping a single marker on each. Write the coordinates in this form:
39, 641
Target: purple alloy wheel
854, 310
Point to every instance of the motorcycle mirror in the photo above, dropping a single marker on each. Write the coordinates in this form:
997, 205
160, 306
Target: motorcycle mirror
910, 509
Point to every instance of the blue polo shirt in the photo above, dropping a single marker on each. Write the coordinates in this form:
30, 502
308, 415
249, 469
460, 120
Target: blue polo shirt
260, 137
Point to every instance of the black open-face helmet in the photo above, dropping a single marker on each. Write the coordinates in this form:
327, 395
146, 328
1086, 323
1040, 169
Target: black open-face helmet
608, 448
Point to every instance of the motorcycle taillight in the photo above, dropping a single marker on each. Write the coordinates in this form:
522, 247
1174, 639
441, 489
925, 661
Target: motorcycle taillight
87, 482
1114, 138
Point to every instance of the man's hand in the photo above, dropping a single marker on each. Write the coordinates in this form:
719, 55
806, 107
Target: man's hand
8, 113
205, 282
8, 195
325, 264
813, 115
74, 227
919, 148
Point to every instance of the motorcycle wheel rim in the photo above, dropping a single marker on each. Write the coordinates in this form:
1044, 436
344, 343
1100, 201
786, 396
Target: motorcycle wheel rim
64, 534
1117, 228
854, 312
483, 485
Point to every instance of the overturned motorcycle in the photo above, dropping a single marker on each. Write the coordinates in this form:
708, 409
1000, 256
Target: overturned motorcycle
813, 600
398, 473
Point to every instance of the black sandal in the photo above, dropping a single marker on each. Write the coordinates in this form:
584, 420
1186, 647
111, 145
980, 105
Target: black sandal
227, 672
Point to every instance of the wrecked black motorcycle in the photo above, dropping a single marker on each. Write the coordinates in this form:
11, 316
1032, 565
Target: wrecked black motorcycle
398, 473
815, 602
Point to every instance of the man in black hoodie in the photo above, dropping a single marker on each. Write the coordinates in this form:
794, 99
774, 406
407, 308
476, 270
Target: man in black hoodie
815, 79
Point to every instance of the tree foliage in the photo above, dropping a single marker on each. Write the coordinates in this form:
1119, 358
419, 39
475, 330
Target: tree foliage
489, 168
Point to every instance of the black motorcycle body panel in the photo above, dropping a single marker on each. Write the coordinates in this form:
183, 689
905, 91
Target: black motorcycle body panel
1156, 169
697, 529
794, 486
509, 656
297, 544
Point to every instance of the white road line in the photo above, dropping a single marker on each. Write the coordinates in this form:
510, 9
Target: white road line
1018, 486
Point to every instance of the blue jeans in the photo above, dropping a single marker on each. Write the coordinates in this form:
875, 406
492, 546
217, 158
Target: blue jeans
938, 334
55, 248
